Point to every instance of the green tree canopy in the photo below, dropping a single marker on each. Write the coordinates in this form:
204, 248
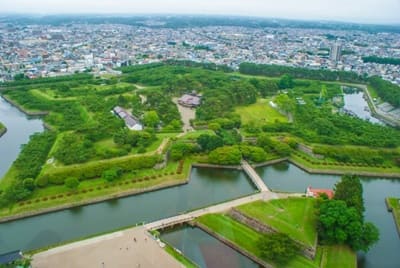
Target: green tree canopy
277, 247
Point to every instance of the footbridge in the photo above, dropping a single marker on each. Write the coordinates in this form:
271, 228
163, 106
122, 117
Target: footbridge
254, 177
212, 209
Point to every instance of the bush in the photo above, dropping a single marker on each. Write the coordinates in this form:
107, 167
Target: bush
227, 155
95, 169
277, 247
72, 183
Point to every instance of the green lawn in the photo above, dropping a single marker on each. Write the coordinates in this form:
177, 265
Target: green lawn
292, 216
394, 203
246, 238
338, 256
260, 113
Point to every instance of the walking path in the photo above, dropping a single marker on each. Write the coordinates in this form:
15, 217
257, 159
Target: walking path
254, 177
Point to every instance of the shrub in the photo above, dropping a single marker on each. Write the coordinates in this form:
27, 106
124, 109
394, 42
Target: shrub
72, 183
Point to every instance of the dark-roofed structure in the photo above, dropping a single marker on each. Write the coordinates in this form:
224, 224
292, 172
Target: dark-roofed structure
10, 257
190, 100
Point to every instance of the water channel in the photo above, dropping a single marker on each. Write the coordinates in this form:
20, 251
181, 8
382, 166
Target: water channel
205, 250
356, 103
206, 187
289, 178
19, 128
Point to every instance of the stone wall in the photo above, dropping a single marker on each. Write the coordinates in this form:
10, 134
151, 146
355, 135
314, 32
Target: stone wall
307, 251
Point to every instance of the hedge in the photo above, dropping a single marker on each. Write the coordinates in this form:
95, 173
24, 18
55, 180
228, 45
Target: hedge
95, 169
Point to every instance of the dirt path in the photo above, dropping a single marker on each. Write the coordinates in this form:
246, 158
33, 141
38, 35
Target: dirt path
186, 115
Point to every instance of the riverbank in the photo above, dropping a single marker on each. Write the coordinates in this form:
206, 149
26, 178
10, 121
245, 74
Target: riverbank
91, 201
22, 109
393, 205
3, 130
310, 168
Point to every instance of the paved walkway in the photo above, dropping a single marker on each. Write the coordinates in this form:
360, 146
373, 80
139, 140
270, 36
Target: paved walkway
254, 177
112, 250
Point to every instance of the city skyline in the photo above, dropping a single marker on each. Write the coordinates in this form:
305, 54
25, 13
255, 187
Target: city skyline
368, 11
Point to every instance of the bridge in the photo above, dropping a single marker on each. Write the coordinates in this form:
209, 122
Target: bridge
254, 177
212, 209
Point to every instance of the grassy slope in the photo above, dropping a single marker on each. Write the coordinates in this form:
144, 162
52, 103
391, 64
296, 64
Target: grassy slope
394, 203
338, 256
293, 216
260, 113
245, 237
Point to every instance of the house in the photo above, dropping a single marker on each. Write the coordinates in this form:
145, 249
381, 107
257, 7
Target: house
312, 192
130, 121
190, 100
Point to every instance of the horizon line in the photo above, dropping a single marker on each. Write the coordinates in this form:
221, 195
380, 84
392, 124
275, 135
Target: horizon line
126, 14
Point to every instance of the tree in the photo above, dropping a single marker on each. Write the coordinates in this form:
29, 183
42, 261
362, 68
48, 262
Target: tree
227, 155
340, 224
349, 189
151, 119
286, 81
111, 174
277, 247
72, 183
209, 142
285, 103
29, 184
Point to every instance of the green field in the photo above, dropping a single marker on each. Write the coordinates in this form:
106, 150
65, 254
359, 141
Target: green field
246, 238
394, 204
338, 256
260, 113
293, 216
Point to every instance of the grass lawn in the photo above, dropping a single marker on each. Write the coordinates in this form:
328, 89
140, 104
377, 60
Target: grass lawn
260, 113
292, 216
394, 203
338, 256
246, 238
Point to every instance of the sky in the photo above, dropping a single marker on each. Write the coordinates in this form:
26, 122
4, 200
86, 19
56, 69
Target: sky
364, 11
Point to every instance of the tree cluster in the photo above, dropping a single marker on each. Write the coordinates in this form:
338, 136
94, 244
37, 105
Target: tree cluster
340, 221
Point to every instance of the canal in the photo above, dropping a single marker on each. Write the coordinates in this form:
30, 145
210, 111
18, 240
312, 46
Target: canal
289, 178
206, 187
205, 250
354, 101
19, 128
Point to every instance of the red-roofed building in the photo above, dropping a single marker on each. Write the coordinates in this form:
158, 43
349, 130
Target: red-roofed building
312, 192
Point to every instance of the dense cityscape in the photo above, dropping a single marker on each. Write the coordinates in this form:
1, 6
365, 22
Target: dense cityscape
199, 140
46, 50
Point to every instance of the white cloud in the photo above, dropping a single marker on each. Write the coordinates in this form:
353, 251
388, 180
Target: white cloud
356, 10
